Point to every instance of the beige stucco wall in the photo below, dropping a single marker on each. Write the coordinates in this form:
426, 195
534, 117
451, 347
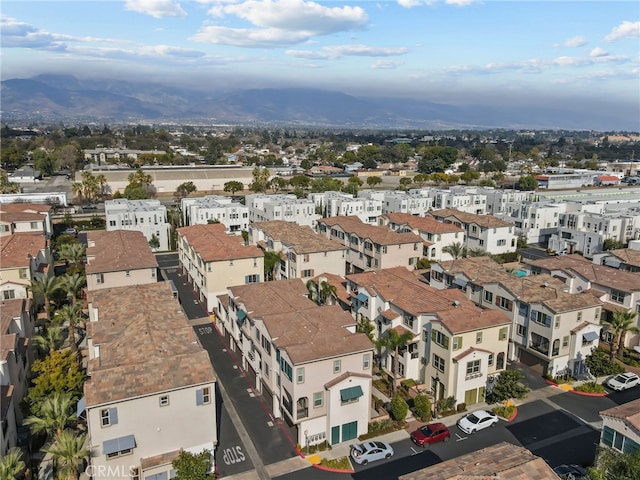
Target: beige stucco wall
121, 279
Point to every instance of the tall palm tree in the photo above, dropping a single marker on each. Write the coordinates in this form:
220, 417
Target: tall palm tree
46, 287
56, 413
73, 284
50, 341
101, 180
73, 253
456, 250
174, 217
394, 341
68, 452
70, 315
11, 464
271, 262
326, 293
619, 325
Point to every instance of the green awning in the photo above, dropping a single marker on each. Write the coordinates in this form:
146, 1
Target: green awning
351, 393
241, 315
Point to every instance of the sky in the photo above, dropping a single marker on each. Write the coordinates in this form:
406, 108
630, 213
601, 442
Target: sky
574, 54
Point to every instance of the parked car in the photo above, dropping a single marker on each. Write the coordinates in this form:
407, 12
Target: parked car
70, 231
90, 207
571, 472
623, 381
432, 433
363, 453
477, 421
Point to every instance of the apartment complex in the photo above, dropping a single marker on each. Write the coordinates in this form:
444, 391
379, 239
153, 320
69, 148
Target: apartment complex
307, 360
435, 234
25, 218
372, 247
213, 260
151, 386
303, 253
215, 209
23, 257
118, 258
339, 204
286, 207
146, 216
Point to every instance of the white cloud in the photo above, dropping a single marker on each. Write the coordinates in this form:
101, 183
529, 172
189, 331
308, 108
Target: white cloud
156, 8
598, 52
573, 42
459, 3
386, 65
414, 3
625, 30
337, 51
244, 37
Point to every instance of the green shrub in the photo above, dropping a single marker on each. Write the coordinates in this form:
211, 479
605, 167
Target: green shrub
590, 387
399, 407
504, 411
408, 383
341, 463
422, 407
446, 404
508, 386
462, 407
600, 364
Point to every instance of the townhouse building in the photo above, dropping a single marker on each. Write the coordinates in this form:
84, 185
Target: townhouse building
339, 204
329, 289
215, 208
16, 357
146, 216
286, 207
618, 290
448, 332
586, 231
150, 391
627, 259
552, 331
535, 221
498, 199
25, 218
483, 232
466, 199
435, 234
303, 252
23, 257
213, 260
305, 359
413, 202
370, 246
621, 428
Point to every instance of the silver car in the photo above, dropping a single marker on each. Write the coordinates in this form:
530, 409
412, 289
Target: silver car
623, 381
477, 421
363, 453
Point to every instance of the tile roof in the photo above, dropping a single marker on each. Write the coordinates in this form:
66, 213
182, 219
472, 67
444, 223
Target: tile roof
7, 344
488, 221
118, 250
608, 277
474, 267
159, 460
38, 208
10, 309
627, 255
343, 377
15, 249
469, 351
423, 224
146, 345
402, 288
378, 235
282, 296
301, 238
629, 411
503, 461
464, 319
213, 244
12, 217
559, 262
338, 282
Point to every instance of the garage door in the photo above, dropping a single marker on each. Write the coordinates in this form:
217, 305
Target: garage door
535, 363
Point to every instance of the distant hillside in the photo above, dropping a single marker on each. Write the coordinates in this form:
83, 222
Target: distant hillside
66, 98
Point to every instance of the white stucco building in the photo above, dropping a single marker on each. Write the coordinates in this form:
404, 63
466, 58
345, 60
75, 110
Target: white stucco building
146, 216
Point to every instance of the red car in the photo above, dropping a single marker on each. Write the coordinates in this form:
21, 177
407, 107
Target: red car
432, 433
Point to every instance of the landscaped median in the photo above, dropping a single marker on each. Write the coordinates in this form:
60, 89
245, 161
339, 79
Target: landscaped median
587, 389
507, 411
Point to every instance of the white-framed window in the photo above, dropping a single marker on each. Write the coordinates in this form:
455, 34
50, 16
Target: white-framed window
99, 278
366, 361
8, 294
337, 366
164, 400
617, 296
24, 273
108, 417
457, 343
127, 273
318, 399
478, 337
438, 363
488, 296
203, 396
502, 335
300, 374
565, 341
490, 359
473, 367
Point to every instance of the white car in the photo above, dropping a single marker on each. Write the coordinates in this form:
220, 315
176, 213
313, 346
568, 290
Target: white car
477, 421
363, 453
623, 381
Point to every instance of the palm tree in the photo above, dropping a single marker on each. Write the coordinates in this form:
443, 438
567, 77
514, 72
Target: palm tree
174, 217
326, 292
68, 452
56, 414
73, 253
51, 340
101, 180
619, 325
456, 250
46, 286
73, 285
11, 464
271, 262
71, 316
392, 340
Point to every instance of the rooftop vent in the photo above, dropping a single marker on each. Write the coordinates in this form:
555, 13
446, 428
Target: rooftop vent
545, 285
456, 303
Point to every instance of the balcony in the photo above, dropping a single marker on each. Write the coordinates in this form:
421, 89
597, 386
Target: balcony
302, 413
471, 376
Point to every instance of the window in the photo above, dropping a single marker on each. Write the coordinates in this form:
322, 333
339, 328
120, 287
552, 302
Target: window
488, 296
286, 368
99, 278
436, 275
541, 318
579, 317
300, 375
318, 399
490, 359
565, 341
440, 339
617, 296
127, 273
617, 441
502, 242
203, 396
252, 279
366, 361
457, 343
164, 400
478, 337
438, 363
266, 345
337, 366
24, 273
8, 294
134, 473
503, 333
307, 273
473, 368
504, 303
108, 417
556, 321
112, 223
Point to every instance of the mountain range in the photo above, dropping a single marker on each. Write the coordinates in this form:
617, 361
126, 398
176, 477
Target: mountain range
67, 98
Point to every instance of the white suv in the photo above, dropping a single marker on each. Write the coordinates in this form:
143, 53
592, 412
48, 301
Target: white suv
623, 381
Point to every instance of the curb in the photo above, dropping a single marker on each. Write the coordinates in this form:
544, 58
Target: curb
333, 470
515, 414
588, 394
